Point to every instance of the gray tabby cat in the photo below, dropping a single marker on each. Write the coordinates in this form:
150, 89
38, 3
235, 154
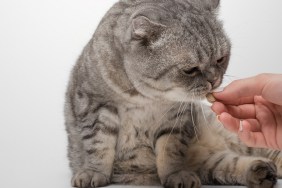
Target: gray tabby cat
133, 111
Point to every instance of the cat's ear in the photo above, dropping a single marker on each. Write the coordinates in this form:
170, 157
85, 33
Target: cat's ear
144, 28
206, 4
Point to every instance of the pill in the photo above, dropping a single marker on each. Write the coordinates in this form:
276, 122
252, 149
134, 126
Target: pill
210, 98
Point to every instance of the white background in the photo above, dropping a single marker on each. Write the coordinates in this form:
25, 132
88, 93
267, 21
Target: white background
39, 43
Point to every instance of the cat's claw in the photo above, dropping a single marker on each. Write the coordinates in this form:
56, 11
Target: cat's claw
183, 179
262, 175
88, 178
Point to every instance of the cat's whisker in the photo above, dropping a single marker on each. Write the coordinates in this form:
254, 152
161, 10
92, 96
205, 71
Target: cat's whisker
205, 118
166, 112
194, 99
176, 121
193, 122
203, 112
230, 78
181, 119
177, 117
228, 75
184, 108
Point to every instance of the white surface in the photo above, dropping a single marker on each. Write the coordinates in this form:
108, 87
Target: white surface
39, 43
278, 185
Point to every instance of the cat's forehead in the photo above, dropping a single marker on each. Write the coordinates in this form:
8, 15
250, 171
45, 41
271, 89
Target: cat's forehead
184, 55
206, 40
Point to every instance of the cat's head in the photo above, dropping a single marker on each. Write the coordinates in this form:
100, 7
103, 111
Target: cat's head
177, 55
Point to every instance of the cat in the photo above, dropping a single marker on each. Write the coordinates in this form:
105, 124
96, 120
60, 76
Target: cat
133, 106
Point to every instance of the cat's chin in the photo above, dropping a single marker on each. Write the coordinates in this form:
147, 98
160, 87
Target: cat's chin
181, 95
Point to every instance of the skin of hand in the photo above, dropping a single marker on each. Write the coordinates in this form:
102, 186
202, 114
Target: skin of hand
257, 102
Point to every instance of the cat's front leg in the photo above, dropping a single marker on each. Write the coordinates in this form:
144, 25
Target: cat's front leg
99, 142
171, 151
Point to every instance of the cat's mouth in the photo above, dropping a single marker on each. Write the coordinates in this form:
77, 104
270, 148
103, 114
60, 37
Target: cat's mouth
216, 85
200, 93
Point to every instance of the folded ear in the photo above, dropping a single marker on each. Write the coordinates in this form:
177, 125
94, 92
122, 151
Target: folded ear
144, 28
213, 3
206, 4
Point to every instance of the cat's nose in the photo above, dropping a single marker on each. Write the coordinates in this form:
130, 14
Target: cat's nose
212, 77
210, 74
215, 82
212, 81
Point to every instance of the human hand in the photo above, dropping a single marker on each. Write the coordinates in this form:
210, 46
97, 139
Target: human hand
257, 101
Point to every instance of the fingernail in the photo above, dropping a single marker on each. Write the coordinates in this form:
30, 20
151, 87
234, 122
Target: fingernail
218, 119
241, 126
217, 90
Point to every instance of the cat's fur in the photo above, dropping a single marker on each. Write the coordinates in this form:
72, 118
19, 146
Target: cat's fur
132, 109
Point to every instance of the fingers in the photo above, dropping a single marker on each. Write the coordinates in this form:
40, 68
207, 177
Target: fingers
248, 132
251, 131
273, 88
233, 124
246, 111
250, 138
269, 128
274, 108
241, 91
258, 139
229, 122
256, 100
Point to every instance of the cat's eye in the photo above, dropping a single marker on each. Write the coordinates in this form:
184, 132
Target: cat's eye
221, 60
192, 71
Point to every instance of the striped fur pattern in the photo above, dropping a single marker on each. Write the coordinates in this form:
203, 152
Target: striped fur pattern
132, 107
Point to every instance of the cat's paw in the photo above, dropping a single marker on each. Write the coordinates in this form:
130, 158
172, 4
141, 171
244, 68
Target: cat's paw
183, 179
89, 178
261, 174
